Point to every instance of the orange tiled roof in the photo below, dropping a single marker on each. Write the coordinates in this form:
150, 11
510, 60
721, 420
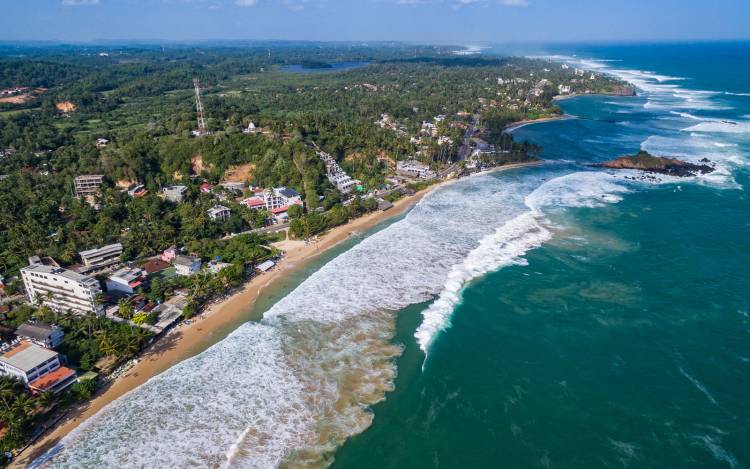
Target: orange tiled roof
50, 379
23, 345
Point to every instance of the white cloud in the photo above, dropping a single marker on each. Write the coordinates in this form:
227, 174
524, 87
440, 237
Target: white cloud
79, 3
246, 3
515, 3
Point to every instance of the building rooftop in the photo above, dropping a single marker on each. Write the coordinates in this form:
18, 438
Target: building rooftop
185, 260
52, 378
95, 251
287, 192
38, 331
69, 274
128, 274
25, 355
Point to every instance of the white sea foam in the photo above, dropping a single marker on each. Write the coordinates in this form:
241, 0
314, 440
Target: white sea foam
730, 127
507, 245
293, 387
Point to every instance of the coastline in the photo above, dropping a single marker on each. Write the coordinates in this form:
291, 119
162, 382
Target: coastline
185, 342
523, 123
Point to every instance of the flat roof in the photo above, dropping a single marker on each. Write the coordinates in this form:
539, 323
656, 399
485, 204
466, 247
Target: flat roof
69, 274
26, 356
39, 331
108, 247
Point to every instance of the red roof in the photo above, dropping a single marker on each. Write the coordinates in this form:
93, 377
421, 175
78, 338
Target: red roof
50, 379
253, 202
206, 187
276, 211
155, 265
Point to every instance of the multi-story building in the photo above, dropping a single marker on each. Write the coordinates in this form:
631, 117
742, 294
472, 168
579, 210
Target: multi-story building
61, 289
44, 335
103, 256
38, 367
125, 280
186, 265
87, 184
414, 168
219, 212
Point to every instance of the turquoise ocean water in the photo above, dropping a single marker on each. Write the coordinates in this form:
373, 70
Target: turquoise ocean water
557, 316
625, 340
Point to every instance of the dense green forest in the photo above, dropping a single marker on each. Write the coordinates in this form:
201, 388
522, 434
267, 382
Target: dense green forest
141, 100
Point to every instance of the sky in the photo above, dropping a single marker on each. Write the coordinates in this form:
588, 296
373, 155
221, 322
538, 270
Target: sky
460, 22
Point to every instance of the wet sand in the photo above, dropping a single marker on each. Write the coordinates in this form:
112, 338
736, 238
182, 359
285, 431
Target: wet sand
211, 326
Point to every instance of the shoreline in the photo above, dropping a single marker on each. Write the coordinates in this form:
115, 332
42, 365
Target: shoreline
523, 123
184, 342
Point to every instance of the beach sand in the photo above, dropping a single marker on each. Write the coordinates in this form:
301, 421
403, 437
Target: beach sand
218, 320
208, 328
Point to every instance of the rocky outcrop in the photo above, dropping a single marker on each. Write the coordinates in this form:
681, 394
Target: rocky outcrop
645, 161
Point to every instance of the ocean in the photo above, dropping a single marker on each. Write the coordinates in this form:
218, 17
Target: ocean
555, 316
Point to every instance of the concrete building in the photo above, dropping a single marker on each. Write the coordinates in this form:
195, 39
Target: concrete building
254, 203
103, 256
413, 168
174, 193
61, 289
125, 280
38, 367
186, 265
219, 213
87, 184
290, 196
44, 335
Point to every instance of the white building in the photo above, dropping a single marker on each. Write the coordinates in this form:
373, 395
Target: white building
174, 193
413, 168
125, 280
38, 367
186, 265
103, 256
251, 129
61, 289
338, 177
254, 203
219, 212
563, 89
290, 196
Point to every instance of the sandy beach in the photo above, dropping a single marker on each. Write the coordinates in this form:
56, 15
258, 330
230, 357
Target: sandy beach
186, 341
211, 326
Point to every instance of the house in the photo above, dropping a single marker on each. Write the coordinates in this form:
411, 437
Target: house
254, 203
413, 168
87, 184
61, 289
137, 190
206, 187
186, 265
125, 280
155, 265
266, 266
290, 196
38, 367
280, 215
174, 194
219, 213
251, 129
101, 142
168, 254
563, 89
44, 335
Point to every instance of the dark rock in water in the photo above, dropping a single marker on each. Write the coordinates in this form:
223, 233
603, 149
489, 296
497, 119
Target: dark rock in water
645, 161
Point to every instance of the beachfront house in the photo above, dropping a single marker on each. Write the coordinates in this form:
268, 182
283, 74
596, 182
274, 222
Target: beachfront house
186, 265
38, 367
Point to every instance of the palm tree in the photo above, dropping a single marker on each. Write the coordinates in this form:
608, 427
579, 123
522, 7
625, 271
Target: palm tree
46, 399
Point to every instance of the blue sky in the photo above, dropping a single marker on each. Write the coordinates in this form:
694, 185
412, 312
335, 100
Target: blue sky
443, 21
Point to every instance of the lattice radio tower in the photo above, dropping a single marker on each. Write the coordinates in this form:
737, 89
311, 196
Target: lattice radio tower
202, 129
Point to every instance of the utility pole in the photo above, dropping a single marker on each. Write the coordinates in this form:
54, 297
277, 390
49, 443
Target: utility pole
202, 129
